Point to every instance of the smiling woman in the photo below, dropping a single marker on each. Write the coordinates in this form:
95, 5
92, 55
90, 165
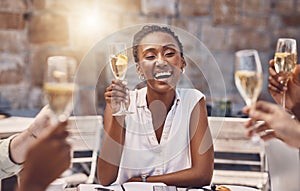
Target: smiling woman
166, 139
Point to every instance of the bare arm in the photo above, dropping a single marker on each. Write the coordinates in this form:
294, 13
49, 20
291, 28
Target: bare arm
21, 143
113, 138
202, 154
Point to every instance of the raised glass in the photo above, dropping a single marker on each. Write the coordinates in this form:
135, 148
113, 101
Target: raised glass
59, 86
248, 75
285, 61
118, 64
249, 79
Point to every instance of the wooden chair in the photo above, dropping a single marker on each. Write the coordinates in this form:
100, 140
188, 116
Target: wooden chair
229, 138
85, 137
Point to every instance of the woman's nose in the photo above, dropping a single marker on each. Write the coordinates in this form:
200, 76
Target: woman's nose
161, 62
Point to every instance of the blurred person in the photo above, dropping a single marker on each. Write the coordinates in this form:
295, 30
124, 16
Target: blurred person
46, 159
13, 149
167, 138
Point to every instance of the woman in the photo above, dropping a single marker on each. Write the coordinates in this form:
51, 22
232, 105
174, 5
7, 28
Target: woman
167, 138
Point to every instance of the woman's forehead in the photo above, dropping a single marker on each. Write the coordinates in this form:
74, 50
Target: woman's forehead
159, 39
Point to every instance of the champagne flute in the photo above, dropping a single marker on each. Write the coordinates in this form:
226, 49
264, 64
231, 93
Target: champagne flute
285, 61
118, 64
59, 86
248, 78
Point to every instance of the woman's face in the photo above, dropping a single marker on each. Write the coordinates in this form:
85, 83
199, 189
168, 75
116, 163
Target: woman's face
160, 61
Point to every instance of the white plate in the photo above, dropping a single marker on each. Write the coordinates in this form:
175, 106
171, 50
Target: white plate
237, 188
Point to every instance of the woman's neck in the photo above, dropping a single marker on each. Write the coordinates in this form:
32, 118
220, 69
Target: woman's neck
159, 104
167, 98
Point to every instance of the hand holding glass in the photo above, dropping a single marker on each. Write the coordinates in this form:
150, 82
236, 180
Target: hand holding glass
248, 77
59, 86
119, 63
285, 61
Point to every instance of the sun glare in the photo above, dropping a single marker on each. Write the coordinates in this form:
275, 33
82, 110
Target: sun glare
90, 21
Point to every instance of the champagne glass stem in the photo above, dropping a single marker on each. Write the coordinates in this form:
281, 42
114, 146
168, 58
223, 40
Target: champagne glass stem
255, 138
122, 110
122, 106
283, 99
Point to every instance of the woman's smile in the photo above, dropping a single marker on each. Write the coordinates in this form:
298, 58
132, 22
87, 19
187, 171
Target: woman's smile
162, 75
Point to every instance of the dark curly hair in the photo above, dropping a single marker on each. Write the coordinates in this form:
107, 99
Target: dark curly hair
151, 29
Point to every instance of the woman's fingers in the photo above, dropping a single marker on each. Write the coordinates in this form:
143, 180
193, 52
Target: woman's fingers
256, 128
246, 110
268, 135
116, 92
274, 81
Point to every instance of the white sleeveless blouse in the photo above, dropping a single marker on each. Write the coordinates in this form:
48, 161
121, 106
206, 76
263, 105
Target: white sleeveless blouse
142, 154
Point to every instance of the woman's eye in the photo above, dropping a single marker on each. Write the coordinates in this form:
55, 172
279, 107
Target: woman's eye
169, 54
150, 57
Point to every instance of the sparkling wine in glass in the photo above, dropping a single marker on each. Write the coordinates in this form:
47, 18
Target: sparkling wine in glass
59, 86
118, 64
248, 77
285, 61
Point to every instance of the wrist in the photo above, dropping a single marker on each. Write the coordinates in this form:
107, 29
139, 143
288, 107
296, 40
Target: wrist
144, 177
31, 133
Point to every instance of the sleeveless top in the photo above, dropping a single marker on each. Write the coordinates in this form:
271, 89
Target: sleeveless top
142, 153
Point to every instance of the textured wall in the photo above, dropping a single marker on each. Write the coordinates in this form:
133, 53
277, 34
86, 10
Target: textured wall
32, 30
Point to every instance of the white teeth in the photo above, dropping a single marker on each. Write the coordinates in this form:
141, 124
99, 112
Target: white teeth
162, 75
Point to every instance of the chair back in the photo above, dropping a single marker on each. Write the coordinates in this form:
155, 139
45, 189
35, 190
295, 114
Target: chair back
86, 134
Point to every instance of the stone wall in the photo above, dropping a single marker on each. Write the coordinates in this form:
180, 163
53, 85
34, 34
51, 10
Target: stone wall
32, 30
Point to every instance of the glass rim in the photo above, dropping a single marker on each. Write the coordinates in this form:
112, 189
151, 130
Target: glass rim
53, 59
284, 38
246, 52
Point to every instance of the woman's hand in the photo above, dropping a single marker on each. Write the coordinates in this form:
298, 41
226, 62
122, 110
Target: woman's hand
116, 93
292, 89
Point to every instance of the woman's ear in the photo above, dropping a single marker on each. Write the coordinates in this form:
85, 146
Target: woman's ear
138, 69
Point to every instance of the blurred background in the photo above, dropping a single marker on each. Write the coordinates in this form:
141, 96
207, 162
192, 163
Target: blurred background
32, 30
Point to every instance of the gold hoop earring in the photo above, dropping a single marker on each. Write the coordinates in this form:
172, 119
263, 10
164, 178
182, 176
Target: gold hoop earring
182, 70
142, 77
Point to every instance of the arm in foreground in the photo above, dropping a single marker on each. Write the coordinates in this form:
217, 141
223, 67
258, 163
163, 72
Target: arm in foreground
46, 160
277, 120
22, 142
113, 137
